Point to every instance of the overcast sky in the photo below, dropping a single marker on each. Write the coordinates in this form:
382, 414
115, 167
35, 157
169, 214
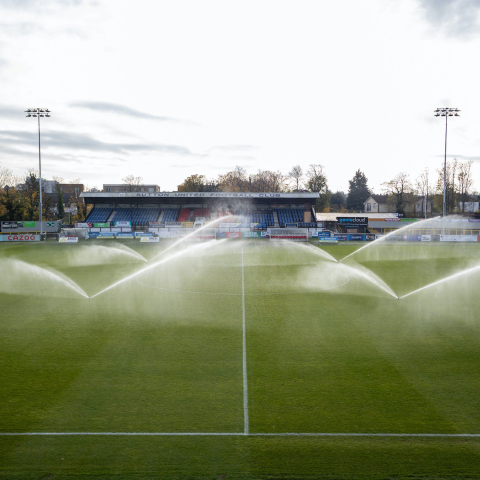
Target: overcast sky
166, 89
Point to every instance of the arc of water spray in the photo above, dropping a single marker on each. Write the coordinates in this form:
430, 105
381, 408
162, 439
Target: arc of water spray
149, 267
446, 279
190, 234
382, 239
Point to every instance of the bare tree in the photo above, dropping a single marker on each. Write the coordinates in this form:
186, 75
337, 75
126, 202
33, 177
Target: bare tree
451, 188
316, 178
132, 181
296, 174
6, 177
424, 187
465, 181
399, 191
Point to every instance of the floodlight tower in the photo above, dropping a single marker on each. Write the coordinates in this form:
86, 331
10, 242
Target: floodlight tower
446, 112
39, 112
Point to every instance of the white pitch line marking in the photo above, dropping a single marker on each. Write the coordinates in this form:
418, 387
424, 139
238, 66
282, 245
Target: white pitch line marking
239, 434
245, 382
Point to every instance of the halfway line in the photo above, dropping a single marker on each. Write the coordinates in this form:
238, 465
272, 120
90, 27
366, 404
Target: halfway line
237, 434
245, 383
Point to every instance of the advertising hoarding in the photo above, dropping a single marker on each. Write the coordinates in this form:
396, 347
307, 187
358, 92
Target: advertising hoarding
68, 239
123, 224
106, 235
125, 235
149, 239
19, 237
459, 238
101, 225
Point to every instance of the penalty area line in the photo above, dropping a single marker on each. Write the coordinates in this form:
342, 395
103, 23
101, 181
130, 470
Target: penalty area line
240, 434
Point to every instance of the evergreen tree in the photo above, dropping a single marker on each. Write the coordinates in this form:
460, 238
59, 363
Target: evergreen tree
358, 192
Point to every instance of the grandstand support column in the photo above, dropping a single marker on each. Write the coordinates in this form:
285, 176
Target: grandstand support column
445, 112
39, 112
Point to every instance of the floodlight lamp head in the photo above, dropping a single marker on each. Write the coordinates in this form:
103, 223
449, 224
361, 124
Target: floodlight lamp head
28, 115
33, 115
47, 115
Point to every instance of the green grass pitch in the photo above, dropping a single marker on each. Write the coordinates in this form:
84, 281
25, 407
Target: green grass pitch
257, 340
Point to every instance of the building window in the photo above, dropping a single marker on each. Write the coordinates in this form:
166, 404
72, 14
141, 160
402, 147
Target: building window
369, 207
142, 189
107, 189
150, 189
124, 189
116, 189
135, 189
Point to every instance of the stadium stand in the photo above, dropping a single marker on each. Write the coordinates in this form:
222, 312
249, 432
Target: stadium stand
170, 215
138, 216
184, 215
224, 213
291, 215
260, 217
98, 215
201, 212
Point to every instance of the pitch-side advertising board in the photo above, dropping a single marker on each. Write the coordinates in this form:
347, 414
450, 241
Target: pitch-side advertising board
149, 239
69, 239
19, 238
459, 238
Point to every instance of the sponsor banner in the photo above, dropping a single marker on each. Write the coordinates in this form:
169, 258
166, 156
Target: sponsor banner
68, 239
123, 224
106, 235
166, 234
234, 234
149, 239
322, 234
412, 238
19, 238
173, 224
101, 225
83, 225
354, 237
459, 238
251, 234
352, 221
230, 225
392, 219
187, 224
156, 224
264, 234
12, 225
93, 234
369, 237
328, 240
426, 238
474, 220
32, 224
341, 238
221, 235
143, 234
125, 235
